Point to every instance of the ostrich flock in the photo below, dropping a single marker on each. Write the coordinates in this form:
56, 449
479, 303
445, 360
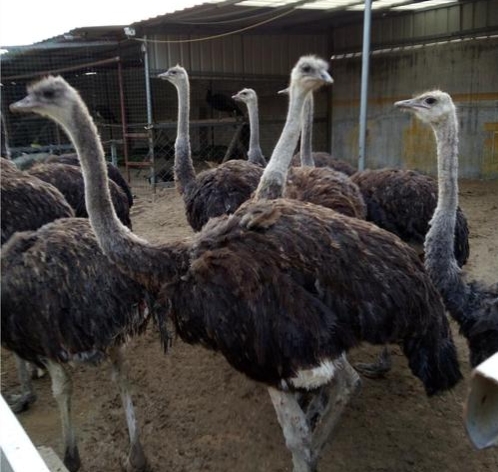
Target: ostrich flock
295, 260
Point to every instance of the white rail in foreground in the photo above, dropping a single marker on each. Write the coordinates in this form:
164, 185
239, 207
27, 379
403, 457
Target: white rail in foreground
18, 453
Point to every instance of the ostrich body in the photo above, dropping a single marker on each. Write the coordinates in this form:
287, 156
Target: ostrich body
112, 171
473, 305
250, 98
222, 102
213, 192
275, 287
82, 309
403, 202
69, 180
27, 202
321, 186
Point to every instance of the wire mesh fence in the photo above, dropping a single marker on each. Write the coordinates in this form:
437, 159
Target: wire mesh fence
138, 129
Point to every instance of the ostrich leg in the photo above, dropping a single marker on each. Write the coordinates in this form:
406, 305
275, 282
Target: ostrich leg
136, 460
21, 402
62, 390
307, 429
295, 427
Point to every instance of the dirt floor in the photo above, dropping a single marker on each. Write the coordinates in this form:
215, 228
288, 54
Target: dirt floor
197, 414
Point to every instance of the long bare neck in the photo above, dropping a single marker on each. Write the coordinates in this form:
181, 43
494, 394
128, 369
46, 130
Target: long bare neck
184, 167
272, 183
307, 132
439, 242
149, 265
254, 155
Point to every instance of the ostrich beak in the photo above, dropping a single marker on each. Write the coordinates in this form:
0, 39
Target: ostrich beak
407, 104
24, 105
326, 77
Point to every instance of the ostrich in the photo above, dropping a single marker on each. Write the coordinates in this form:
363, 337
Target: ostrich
281, 288
250, 98
222, 102
112, 171
322, 186
213, 192
81, 309
69, 180
402, 202
473, 305
28, 202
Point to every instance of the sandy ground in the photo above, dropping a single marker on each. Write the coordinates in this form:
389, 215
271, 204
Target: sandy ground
198, 414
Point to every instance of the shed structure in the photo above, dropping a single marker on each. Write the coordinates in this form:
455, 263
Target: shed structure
229, 45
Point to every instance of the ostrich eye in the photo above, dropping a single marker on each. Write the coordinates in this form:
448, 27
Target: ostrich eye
48, 94
430, 100
306, 69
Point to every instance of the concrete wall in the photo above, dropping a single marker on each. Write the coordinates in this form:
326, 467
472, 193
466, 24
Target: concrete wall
468, 70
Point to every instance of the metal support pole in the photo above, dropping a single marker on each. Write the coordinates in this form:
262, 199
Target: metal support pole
150, 125
367, 17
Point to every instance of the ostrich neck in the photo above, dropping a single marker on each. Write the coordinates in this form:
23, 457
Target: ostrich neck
184, 167
272, 183
147, 264
254, 154
307, 132
439, 242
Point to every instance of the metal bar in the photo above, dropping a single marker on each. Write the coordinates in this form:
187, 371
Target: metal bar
367, 18
63, 69
150, 125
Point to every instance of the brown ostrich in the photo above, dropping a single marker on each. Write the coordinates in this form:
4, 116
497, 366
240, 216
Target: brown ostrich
473, 305
213, 192
403, 202
69, 180
113, 172
80, 309
281, 288
27, 202
322, 186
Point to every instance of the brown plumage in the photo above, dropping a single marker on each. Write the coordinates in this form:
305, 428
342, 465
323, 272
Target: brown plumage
281, 288
322, 186
112, 171
64, 301
324, 159
326, 187
213, 192
403, 202
69, 180
27, 202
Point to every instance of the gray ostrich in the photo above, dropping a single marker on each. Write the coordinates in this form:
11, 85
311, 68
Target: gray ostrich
250, 98
321, 186
213, 192
473, 305
277, 287
63, 301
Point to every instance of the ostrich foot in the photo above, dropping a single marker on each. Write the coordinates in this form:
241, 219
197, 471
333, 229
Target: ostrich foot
19, 402
136, 460
72, 460
376, 369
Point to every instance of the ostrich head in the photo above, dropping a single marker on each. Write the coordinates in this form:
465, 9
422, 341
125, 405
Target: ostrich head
246, 96
311, 73
432, 107
50, 97
176, 75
